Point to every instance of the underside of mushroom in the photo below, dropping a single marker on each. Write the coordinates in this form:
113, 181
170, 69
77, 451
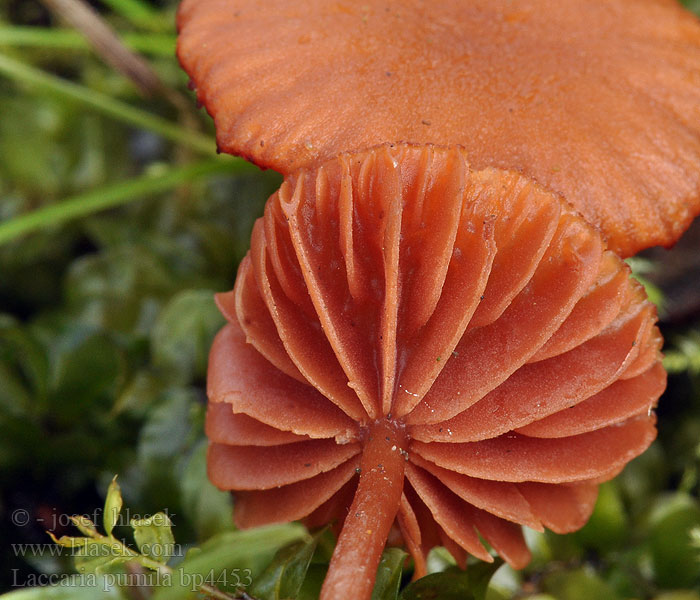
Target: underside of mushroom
417, 346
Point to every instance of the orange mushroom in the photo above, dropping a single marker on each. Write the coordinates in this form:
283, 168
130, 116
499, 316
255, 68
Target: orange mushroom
415, 345
598, 100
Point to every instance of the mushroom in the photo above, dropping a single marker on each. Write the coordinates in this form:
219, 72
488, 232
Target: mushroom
418, 346
599, 100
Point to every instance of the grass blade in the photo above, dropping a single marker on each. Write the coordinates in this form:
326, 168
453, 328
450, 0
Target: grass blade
114, 195
116, 109
155, 44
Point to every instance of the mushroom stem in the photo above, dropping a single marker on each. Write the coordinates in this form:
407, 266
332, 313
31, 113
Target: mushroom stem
356, 557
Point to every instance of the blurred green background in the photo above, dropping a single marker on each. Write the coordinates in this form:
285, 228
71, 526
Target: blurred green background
106, 317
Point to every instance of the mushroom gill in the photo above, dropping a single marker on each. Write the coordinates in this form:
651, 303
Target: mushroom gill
599, 101
417, 345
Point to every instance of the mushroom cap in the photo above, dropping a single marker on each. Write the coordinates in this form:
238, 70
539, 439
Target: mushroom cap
597, 100
461, 338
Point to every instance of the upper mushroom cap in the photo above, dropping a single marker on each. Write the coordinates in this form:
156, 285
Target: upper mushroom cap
597, 100
400, 315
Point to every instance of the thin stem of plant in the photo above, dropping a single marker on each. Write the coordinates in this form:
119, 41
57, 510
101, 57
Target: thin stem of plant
210, 590
107, 43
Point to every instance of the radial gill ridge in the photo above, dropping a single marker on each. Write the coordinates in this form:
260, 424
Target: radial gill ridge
418, 347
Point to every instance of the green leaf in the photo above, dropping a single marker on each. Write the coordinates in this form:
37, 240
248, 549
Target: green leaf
439, 560
686, 354
644, 478
171, 429
84, 525
386, 586
165, 441
167, 429
21, 350
681, 594
15, 399
121, 288
154, 536
675, 560
230, 560
285, 575
113, 506
208, 508
138, 395
580, 584
87, 373
68, 541
34, 155
693, 5
607, 527
183, 333
98, 556
313, 582
454, 584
